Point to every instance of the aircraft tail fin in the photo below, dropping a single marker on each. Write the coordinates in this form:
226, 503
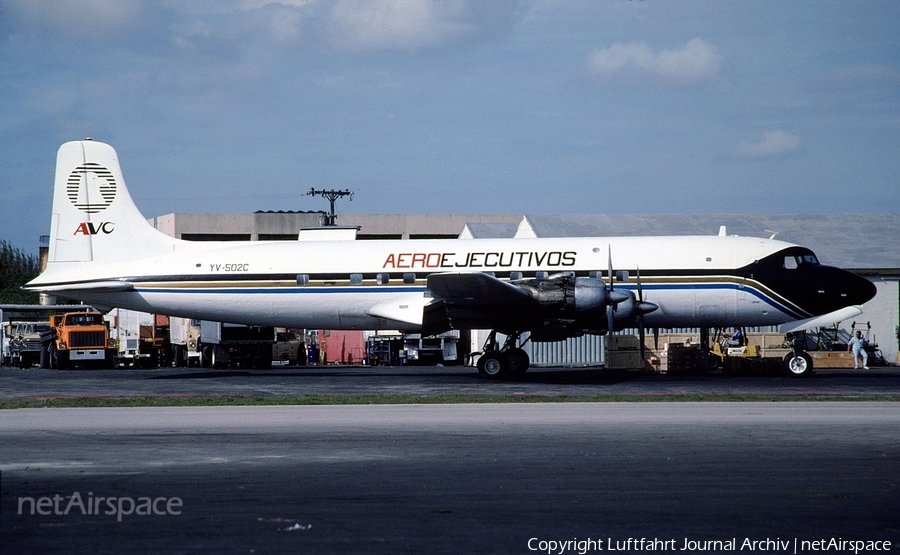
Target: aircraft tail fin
94, 218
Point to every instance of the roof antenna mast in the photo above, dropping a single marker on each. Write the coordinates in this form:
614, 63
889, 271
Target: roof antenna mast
332, 195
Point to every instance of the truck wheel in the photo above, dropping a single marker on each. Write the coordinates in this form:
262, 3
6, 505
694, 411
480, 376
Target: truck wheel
301, 356
798, 364
178, 356
62, 360
205, 356
215, 359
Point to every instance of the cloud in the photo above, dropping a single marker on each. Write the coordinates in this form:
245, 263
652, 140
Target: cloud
774, 143
412, 25
634, 63
92, 21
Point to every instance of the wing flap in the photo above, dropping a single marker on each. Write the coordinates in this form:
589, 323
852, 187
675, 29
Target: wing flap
473, 288
472, 300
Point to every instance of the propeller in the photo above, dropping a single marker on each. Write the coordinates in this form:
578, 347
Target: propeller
635, 308
644, 307
640, 316
610, 304
613, 298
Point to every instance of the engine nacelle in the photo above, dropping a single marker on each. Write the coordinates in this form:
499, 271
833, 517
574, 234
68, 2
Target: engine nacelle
569, 296
583, 303
590, 295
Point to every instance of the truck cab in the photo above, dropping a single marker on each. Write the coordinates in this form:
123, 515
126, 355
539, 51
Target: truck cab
25, 342
79, 339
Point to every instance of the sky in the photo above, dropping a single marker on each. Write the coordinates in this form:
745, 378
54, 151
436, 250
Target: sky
456, 106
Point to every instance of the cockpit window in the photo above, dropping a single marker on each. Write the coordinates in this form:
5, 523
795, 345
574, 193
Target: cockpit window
792, 262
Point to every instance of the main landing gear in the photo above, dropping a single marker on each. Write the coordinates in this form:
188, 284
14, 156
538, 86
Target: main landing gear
506, 362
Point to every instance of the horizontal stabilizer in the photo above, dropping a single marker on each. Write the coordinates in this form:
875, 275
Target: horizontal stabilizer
829, 319
90, 286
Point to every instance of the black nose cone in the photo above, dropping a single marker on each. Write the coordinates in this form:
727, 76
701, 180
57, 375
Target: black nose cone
858, 290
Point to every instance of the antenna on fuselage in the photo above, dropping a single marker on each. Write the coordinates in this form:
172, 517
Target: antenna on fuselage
332, 195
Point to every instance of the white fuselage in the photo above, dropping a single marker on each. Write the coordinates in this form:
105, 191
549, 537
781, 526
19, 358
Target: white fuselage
692, 279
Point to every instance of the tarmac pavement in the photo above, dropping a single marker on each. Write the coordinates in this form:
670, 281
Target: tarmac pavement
431, 380
465, 478
483, 478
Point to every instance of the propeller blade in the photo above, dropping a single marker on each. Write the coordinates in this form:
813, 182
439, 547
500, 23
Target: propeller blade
640, 317
640, 292
642, 336
610, 274
643, 307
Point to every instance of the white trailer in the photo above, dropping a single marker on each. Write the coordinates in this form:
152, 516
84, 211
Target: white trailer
184, 333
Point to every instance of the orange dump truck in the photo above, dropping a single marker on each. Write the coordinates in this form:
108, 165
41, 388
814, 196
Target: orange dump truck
78, 339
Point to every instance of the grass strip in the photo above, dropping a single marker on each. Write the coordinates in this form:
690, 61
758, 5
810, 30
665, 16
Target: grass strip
251, 400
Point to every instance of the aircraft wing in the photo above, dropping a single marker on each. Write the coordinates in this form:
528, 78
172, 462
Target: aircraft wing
473, 288
466, 300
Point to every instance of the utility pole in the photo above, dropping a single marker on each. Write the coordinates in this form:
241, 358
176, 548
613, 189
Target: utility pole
331, 195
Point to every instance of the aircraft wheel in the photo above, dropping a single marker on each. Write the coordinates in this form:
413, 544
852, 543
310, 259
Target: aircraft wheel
798, 364
517, 362
492, 365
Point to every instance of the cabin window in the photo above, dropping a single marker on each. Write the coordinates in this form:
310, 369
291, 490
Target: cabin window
409, 277
382, 279
541, 275
356, 279
303, 280
515, 276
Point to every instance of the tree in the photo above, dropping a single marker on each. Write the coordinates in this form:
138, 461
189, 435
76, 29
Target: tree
16, 269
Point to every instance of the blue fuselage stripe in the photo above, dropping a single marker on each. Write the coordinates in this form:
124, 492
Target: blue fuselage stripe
387, 289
